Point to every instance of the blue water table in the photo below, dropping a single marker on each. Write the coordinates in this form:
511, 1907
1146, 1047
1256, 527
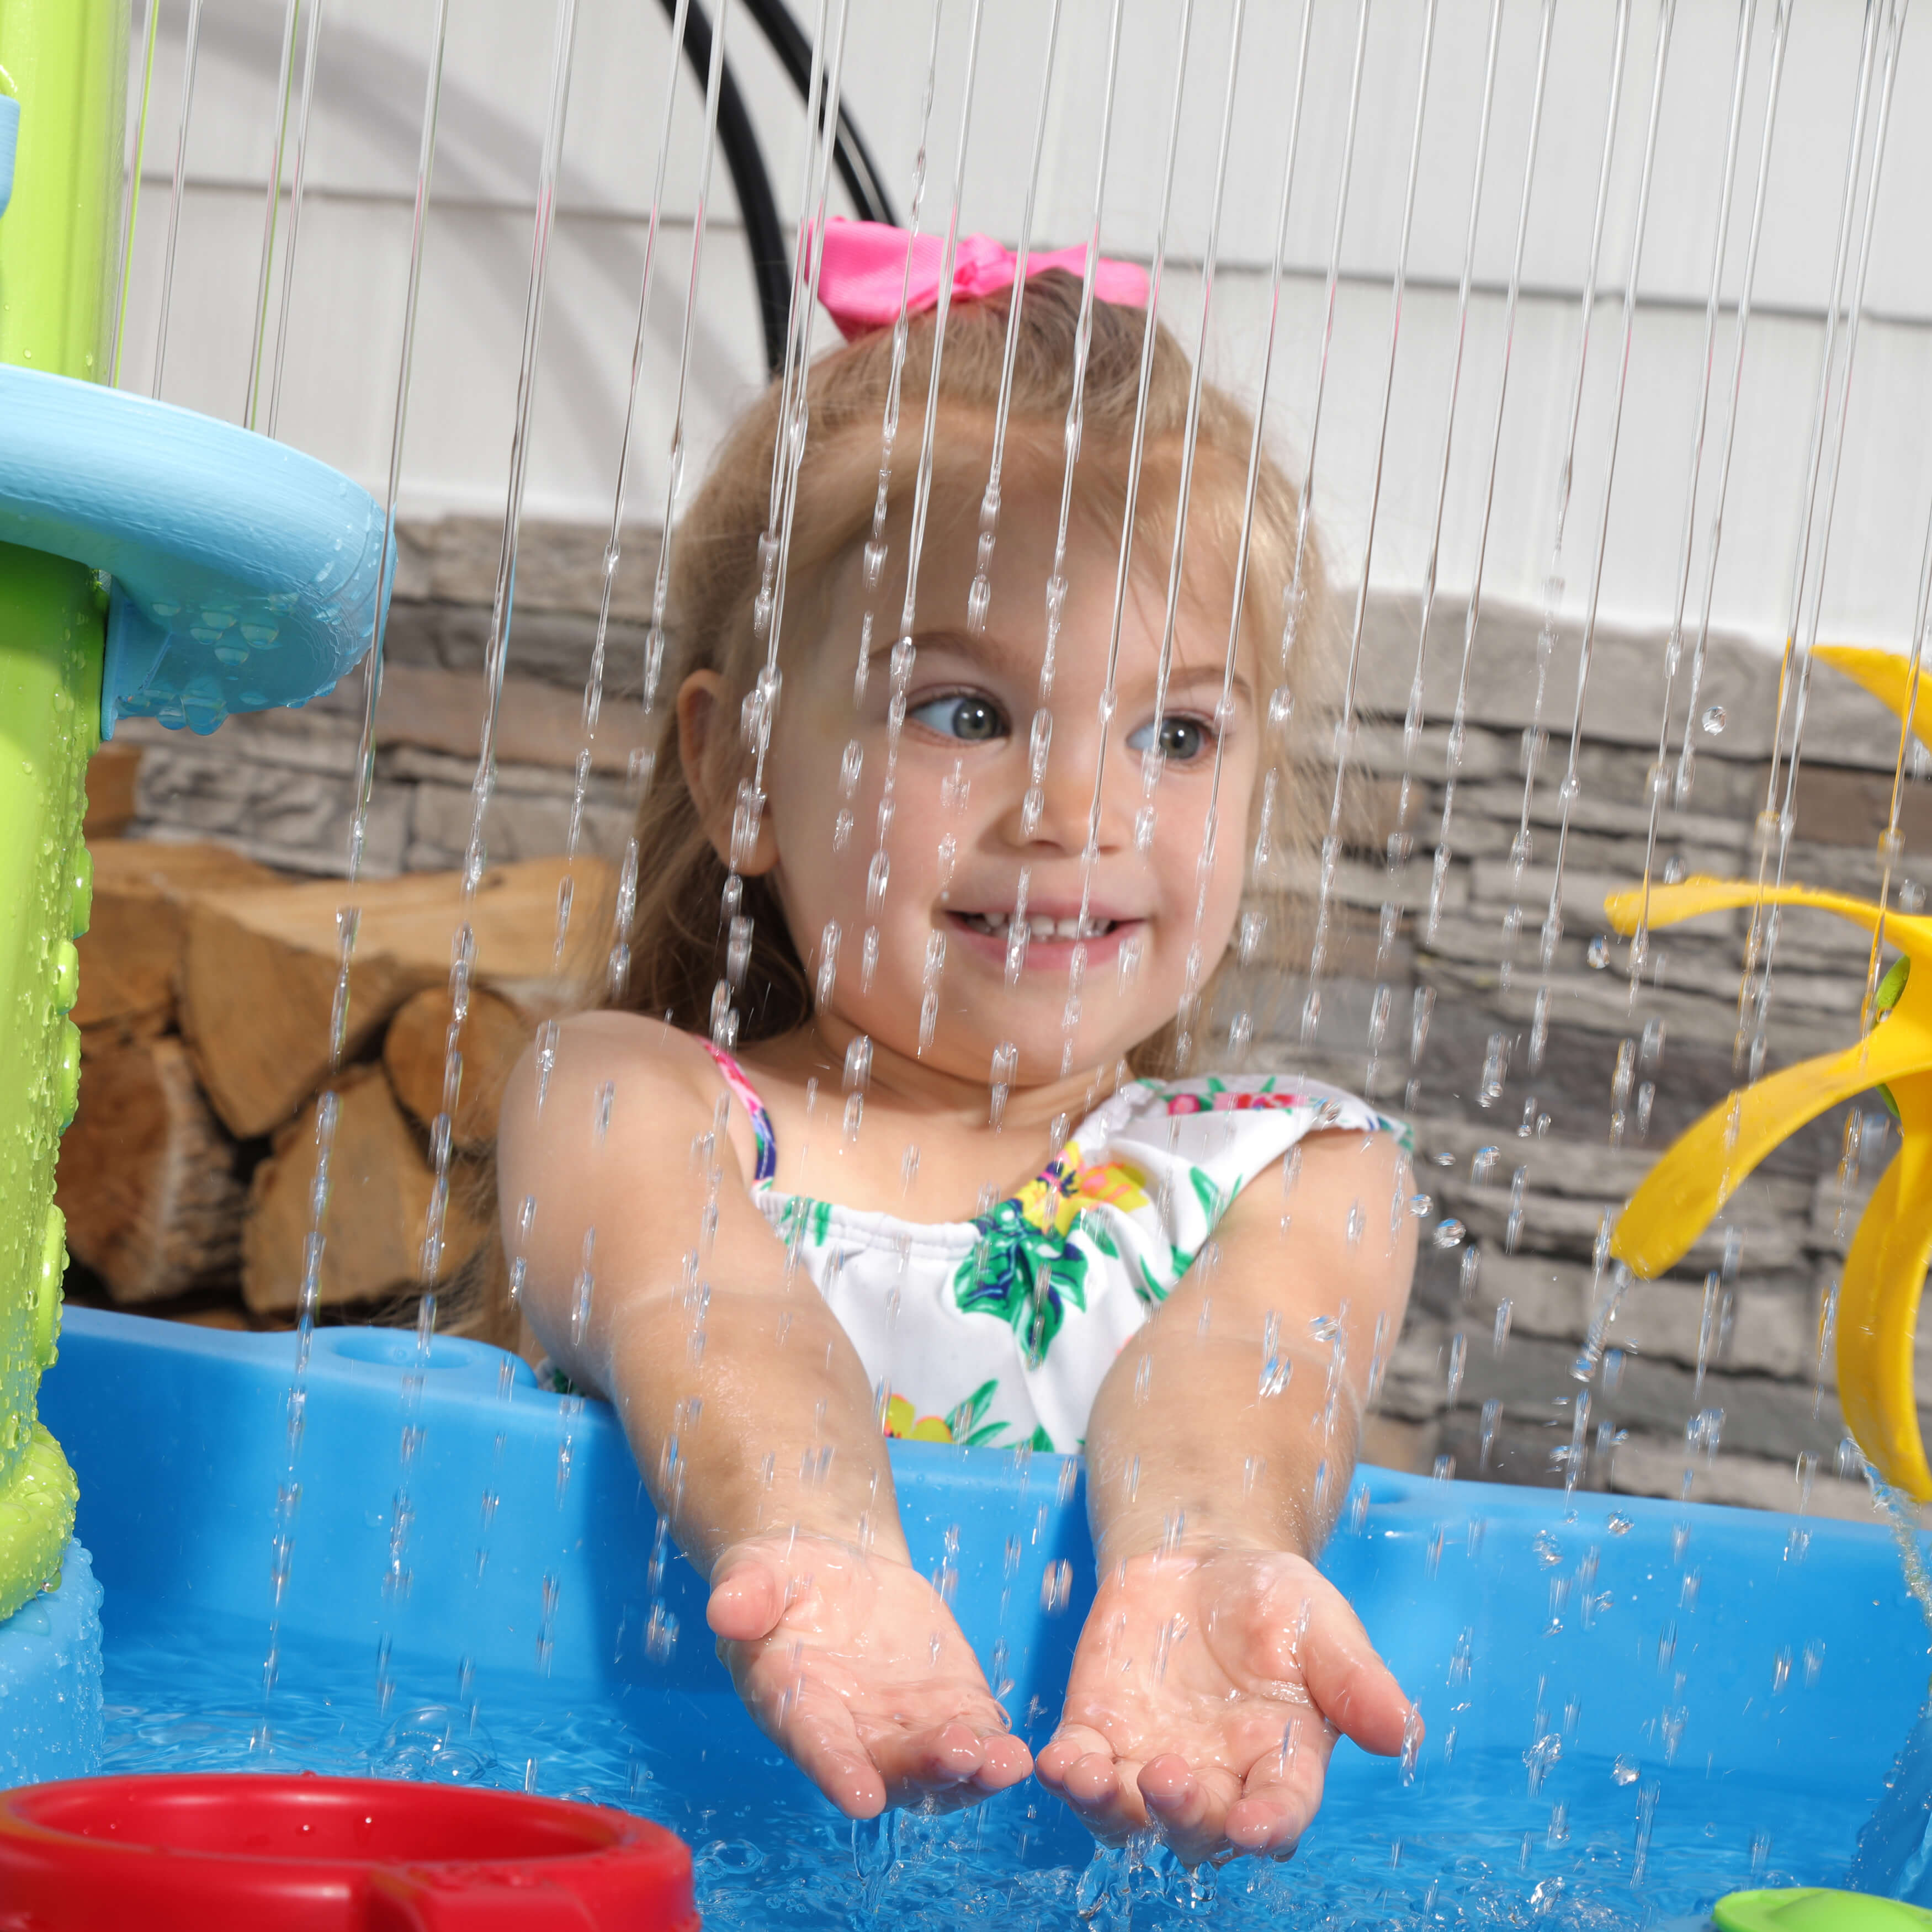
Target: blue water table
152, 563
1634, 1710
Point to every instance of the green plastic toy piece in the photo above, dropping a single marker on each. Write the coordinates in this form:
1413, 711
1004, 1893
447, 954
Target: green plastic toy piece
1813, 1909
67, 62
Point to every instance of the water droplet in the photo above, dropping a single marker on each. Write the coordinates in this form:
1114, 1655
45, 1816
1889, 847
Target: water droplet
1598, 955
1449, 1234
1714, 721
1421, 1206
1492, 1416
1056, 1586
1541, 1757
660, 1636
978, 599
1623, 1771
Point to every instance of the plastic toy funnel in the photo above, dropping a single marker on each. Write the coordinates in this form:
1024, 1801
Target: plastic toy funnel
1814, 1909
309, 1854
66, 65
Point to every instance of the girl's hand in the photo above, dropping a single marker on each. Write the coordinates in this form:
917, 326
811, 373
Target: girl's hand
853, 1665
1205, 1696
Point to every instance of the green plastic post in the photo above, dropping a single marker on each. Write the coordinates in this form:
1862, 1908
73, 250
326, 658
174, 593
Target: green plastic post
67, 62
1812, 1909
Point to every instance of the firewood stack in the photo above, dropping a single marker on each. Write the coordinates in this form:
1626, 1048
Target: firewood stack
207, 986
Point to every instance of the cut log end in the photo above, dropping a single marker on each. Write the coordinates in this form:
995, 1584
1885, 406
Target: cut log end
131, 956
416, 1052
259, 977
148, 1180
380, 1190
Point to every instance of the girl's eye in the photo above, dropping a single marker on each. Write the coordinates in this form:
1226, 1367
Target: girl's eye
973, 720
1181, 739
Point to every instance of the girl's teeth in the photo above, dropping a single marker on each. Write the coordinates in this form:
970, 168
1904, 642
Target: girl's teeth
1000, 924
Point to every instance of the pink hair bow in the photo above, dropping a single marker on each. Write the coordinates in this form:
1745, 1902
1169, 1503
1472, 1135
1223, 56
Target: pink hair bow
863, 269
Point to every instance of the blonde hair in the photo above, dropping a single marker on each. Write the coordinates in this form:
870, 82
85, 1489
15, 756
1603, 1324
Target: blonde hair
676, 934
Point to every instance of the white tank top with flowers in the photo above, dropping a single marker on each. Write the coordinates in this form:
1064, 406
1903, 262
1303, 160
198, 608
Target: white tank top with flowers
1000, 1330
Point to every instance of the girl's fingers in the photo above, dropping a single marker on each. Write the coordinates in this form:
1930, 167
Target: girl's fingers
1189, 1811
1007, 1761
954, 1763
1281, 1795
747, 1599
1264, 1826
827, 1750
818, 1734
1100, 1789
1065, 1748
1353, 1688
934, 1760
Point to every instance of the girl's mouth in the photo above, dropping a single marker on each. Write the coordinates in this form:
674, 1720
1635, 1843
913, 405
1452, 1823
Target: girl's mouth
1040, 929
1052, 941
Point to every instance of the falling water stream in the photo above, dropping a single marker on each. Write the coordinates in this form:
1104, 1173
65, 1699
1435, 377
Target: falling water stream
1560, 1831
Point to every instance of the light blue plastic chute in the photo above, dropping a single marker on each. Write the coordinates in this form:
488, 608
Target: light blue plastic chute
243, 574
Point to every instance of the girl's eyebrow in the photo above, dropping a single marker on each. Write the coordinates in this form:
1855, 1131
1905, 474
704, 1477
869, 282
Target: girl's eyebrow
990, 652
995, 656
1238, 687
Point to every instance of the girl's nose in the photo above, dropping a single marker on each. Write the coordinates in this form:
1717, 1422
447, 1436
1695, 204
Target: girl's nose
1064, 796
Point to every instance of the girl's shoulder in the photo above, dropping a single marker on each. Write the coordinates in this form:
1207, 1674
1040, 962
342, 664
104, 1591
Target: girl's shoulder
665, 1082
1205, 1138
649, 1049
1157, 1167
1221, 1130
636, 1083
1222, 1108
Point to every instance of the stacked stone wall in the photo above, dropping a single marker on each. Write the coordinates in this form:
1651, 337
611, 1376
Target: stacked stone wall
1719, 1376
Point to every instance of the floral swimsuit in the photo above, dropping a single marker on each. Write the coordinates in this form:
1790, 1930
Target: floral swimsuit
1001, 1329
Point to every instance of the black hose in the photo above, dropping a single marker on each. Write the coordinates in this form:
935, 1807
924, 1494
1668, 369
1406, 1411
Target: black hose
856, 168
764, 233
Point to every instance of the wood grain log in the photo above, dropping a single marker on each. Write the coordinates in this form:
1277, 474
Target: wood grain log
258, 978
130, 955
379, 1185
147, 1178
416, 1046
113, 788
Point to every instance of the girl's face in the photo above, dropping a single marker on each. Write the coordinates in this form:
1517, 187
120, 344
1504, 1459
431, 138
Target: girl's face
962, 848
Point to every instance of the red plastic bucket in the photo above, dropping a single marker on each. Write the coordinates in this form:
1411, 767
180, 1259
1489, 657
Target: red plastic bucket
309, 1854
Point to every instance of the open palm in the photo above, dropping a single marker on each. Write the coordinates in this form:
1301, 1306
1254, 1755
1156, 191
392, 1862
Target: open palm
853, 1665
1206, 1694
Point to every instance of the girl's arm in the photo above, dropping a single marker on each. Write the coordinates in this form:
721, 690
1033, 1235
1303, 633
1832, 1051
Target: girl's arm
1217, 1664
1185, 1397
689, 1299
650, 1274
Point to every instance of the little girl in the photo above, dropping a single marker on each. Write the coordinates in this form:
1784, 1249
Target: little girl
901, 1128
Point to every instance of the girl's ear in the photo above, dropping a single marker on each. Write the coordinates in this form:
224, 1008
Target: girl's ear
704, 720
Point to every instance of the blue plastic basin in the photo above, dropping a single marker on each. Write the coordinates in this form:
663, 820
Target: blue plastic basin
1727, 1699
